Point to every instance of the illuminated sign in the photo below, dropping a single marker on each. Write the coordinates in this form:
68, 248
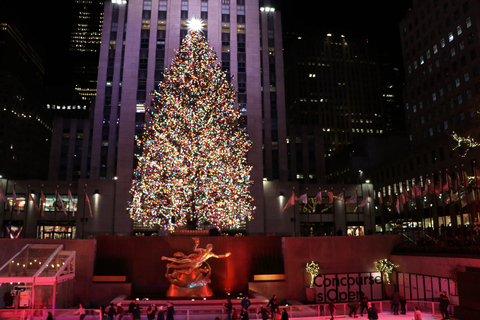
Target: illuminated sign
348, 286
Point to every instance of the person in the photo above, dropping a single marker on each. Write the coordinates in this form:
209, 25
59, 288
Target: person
245, 303
372, 311
151, 311
284, 314
353, 309
136, 311
101, 312
363, 304
80, 311
395, 302
403, 304
273, 305
49, 316
170, 311
417, 315
331, 307
229, 308
120, 311
277, 315
112, 312
444, 303
264, 313
235, 315
131, 306
244, 314
161, 313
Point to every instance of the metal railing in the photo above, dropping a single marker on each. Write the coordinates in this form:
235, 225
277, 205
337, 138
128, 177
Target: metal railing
211, 312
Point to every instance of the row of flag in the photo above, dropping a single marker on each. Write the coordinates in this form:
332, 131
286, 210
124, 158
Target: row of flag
40, 209
340, 197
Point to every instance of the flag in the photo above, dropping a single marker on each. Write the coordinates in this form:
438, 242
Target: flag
398, 205
4, 198
15, 202
34, 203
401, 199
319, 197
340, 197
380, 197
42, 204
58, 198
405, 196
425, 190
72, 203
353, 199
303, 198
465, 179
87, 200
330, 196
365, 200
458, 183
448, 183
417, 190
390, 200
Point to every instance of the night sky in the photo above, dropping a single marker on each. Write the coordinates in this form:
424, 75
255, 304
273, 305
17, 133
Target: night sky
50, 25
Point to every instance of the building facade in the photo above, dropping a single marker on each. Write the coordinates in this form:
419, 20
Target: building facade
440, 45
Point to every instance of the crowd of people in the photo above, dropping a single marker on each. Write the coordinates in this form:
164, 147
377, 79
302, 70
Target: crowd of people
265, 314
132, 313
271, 311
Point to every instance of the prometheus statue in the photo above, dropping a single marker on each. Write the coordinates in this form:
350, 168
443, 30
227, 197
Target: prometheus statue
190, 275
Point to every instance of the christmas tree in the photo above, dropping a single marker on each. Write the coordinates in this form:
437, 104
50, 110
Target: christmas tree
193, 164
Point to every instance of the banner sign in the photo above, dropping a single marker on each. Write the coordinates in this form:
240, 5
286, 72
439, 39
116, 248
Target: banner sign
347, 287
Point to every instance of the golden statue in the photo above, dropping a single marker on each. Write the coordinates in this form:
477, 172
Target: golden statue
190, 275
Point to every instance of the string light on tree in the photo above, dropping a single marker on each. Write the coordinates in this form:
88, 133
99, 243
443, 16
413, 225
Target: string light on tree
193, 168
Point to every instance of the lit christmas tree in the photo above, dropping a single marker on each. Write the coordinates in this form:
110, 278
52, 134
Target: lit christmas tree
193, 165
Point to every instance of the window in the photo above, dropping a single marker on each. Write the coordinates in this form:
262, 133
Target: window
466, 77
442, 43
450, 36
435, 49
468, 22
459, 30
452, 52
460, 99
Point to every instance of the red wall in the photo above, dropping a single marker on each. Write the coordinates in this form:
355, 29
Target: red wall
145, 269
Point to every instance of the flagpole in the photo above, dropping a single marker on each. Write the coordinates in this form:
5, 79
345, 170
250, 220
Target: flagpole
308, 216
84, 205
345, 212
321, 229
469, 212
460, 210
358, 213
474, 188
333, 211
27, 206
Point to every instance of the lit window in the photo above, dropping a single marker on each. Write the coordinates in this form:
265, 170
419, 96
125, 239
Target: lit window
457, 82
435, 49
450, 36
459, 30
466, 77
442, 43
434, 96
468, 22
452, 52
